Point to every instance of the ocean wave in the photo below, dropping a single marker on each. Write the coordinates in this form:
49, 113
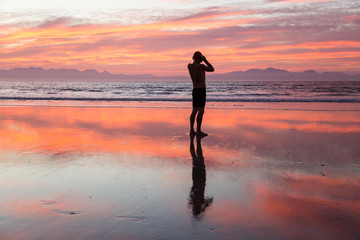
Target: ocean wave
128, 99
266, 91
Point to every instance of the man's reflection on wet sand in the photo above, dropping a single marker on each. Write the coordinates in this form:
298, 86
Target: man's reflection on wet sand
197, 201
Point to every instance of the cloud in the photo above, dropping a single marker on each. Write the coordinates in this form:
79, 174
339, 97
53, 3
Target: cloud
289, 36
58, 22
299, 1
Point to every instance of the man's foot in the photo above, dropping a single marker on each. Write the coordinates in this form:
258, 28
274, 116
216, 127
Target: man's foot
192, 133
201, 134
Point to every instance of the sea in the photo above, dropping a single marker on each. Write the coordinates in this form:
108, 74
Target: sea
180, 91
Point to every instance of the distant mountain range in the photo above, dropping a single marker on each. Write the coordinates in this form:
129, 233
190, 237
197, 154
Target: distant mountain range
72, 74
32, 73
278, 74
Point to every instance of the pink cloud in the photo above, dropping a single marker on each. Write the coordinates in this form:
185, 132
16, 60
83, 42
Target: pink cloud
262, 37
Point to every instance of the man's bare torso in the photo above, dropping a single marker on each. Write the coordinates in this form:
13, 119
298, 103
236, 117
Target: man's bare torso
197, 73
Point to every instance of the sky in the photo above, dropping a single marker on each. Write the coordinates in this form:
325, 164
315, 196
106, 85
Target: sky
159, 37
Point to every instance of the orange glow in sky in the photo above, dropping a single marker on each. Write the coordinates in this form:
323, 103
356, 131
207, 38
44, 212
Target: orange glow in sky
289, 35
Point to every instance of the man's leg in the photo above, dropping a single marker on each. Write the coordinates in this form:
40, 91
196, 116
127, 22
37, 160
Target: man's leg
199, 121
192, 120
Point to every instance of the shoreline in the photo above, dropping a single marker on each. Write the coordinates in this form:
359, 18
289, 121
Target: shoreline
293, 106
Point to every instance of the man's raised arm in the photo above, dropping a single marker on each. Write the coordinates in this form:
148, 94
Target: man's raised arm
208, 67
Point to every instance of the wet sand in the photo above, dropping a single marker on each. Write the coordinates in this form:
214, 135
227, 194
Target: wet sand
102, 171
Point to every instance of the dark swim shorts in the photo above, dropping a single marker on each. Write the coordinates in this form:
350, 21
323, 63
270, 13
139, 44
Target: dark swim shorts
199, 97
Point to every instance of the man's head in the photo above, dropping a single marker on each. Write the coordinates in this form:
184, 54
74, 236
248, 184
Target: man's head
197, 56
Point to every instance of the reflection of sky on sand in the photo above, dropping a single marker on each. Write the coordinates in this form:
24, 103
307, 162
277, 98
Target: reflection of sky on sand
110, 172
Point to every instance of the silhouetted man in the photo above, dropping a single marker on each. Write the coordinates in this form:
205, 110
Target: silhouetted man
197, 73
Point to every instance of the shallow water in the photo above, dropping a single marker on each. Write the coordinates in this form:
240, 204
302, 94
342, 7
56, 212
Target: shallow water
82, 172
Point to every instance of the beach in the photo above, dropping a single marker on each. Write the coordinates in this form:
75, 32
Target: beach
103, 170
103, 137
